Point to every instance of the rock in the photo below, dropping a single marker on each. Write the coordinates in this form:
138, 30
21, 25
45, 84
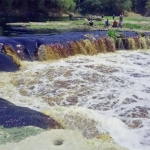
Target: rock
9, 135
16, 116
60, 140
7, 64
104, 137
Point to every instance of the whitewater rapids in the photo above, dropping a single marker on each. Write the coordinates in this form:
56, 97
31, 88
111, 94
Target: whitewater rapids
102, 94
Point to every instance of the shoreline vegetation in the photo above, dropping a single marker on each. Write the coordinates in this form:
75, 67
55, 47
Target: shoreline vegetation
81, 23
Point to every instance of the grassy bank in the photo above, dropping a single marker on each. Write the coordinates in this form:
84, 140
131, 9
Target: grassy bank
129, 23
140, 23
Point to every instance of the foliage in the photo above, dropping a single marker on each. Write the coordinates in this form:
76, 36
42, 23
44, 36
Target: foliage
95, 6
66, 4
138, 6
147, 8
112, 33
112, 6
109, 6
40, 6
98, 7
118, 6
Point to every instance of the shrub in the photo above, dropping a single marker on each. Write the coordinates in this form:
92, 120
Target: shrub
112, 33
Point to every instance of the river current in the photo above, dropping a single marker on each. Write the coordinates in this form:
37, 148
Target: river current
106, 93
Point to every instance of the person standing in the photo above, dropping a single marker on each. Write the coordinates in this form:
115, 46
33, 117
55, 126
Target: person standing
91, 23
107, 23
70, 16
120, 21
121, 17
113, 17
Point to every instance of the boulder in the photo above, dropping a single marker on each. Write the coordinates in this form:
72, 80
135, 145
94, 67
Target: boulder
16, 116
7, 64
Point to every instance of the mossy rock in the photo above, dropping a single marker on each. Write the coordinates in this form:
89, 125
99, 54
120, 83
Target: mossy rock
104, 137
14, 135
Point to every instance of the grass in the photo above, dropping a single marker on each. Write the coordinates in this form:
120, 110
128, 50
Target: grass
130, 18
132, 26
138, 19
129, 23
148, 27
46, 27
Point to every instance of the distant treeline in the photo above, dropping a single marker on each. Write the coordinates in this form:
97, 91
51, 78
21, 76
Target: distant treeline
110, 7
57, 7
42, 7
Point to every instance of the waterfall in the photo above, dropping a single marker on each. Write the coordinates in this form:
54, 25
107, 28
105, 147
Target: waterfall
88, 47
69, 44
10, 52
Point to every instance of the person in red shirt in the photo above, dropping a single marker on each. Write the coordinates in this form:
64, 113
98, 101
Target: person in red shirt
115, 24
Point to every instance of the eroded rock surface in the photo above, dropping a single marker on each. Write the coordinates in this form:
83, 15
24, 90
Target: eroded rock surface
16, 116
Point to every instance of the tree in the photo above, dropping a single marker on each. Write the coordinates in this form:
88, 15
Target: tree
147, 7
117, 6
12, 6
90, 6
106, 6
138, 6
66, 4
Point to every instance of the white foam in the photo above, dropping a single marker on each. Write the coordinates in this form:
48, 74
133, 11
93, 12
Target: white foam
112, 84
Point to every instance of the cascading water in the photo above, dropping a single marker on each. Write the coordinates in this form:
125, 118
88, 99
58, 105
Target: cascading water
83, 82
71, 43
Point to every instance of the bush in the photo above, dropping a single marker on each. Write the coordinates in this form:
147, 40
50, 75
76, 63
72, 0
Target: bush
112, 33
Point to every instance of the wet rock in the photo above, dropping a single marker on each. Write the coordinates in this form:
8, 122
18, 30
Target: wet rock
7, 64
16, 116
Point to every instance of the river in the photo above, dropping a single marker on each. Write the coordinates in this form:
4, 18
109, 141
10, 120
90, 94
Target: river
101, 94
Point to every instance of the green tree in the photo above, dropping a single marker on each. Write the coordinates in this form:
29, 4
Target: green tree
106, 6
66, 4
147, 7
90, 6
9, 6
138, 6
117, 6
6, 4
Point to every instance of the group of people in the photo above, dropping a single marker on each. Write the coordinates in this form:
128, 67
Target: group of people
115, 23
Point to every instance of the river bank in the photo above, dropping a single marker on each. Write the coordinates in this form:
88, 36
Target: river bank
129, 23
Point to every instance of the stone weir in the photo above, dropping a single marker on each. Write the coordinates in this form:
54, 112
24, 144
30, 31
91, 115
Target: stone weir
13, 50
